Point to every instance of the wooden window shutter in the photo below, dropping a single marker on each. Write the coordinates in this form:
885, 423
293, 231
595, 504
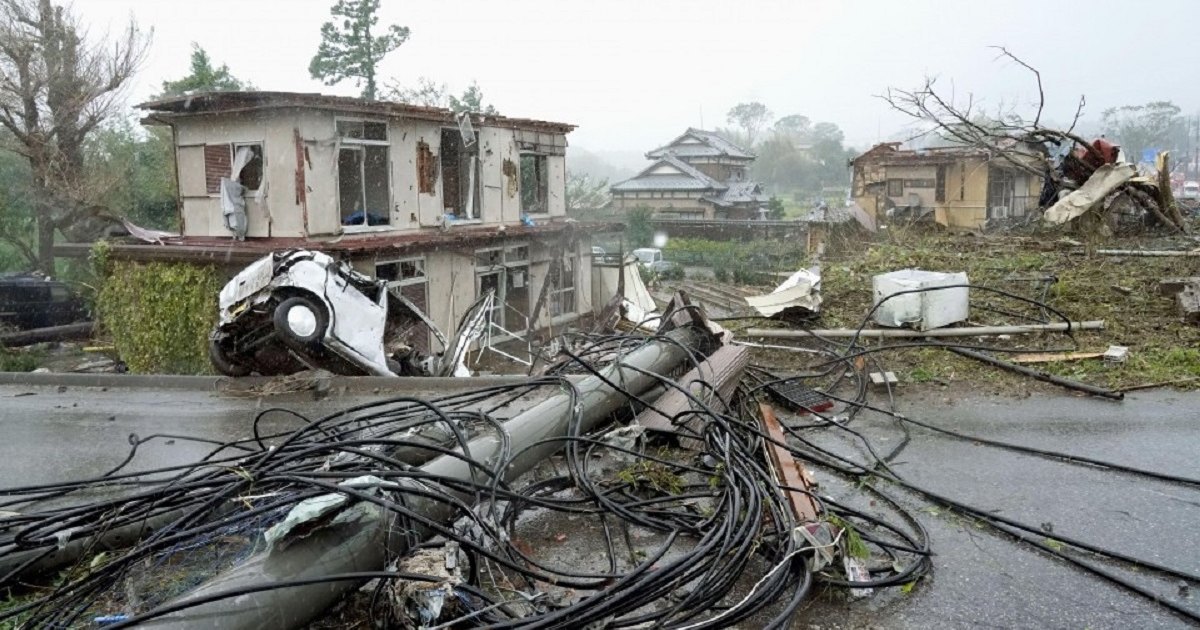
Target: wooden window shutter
218, 163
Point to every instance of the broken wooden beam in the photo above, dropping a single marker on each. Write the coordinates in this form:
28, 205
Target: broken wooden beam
791, 473
874, 333
1053, 357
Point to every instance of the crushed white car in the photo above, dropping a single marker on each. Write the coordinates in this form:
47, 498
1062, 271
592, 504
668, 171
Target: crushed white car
301, 309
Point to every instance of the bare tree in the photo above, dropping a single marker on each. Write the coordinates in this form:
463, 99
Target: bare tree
1018, 139
56, 88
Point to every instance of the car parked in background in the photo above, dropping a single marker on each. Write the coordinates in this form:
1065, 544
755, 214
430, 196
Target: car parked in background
1190, 191
29, 301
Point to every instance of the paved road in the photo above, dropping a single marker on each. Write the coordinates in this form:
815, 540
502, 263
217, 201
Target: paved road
50, 434
980, 580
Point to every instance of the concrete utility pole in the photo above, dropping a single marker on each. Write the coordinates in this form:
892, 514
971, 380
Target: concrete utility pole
363, 536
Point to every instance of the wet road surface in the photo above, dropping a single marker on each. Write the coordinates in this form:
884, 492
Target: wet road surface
984, 580
980, 579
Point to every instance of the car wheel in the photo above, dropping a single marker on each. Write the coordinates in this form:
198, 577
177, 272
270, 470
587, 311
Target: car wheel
300, 322
222, 363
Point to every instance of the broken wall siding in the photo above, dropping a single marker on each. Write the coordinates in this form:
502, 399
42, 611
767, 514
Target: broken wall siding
494, 147
406, 138
412, 203
429, 206
278, 213
966, 194
557, 167
452, 286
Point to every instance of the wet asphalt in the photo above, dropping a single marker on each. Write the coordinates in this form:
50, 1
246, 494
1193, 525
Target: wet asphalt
980, 579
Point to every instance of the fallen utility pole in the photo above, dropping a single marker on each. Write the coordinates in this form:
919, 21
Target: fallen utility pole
875, 333
722, 371
52, 333
363, 536
1038, 374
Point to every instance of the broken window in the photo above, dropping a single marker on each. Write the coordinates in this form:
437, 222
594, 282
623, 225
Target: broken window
252, 170
562, 299
460, 178
407, 277
535, 188
401, 272
221, 159
362, 130
895, 187
940, 187
364, 191
506, 271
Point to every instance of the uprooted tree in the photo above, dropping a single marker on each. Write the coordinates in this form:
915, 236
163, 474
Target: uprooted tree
1061, 157
56, 89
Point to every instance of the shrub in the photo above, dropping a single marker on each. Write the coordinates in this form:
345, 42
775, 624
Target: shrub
14, 361
159, 315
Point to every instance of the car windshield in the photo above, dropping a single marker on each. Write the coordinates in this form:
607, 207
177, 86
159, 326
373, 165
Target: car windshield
645, 255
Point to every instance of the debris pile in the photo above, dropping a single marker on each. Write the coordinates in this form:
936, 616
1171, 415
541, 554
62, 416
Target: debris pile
1089, 177
521, 506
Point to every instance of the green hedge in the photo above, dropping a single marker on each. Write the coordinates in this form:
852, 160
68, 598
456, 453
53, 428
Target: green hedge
159, 315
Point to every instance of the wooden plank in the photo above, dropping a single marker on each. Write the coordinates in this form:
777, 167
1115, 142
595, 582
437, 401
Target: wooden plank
1051, 357
788, 471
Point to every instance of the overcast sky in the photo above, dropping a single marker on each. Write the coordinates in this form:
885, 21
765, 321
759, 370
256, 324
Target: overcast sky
633, 74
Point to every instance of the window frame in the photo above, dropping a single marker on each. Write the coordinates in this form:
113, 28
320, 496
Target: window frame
362, 144
231, 149
542, 167
554, 299
404, 282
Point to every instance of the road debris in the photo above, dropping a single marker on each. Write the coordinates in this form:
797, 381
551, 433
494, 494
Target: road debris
797, 297
923, 299
1053, 357
1116, 354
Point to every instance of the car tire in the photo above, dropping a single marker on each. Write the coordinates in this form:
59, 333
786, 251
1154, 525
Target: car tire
300, 322
222, 363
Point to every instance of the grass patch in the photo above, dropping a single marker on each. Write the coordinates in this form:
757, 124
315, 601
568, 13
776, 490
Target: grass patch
1162, 348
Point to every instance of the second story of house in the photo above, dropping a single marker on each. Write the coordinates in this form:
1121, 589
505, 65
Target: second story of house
311, 165
709, 153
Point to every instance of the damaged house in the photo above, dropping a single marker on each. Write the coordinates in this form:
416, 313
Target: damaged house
445, 207
698, 175
955, 186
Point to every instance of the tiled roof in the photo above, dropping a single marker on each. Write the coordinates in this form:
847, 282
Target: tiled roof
689, 178
712, 145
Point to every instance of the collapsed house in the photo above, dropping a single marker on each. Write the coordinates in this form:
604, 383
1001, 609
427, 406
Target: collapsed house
698, 175
444, 207
955, 186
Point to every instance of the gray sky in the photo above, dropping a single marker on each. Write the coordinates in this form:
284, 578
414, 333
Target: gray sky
633, 74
